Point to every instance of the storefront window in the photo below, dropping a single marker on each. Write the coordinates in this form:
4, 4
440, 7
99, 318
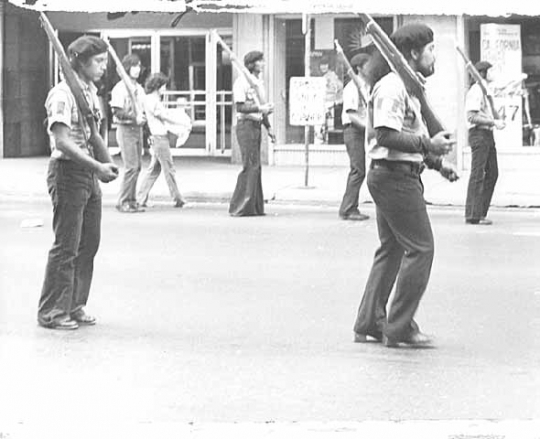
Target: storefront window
324, 62
183, 60
524, 94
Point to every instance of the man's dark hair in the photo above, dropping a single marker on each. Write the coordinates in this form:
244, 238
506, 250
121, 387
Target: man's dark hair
413, 36
155, 82
130, 60
251, 58
84, 48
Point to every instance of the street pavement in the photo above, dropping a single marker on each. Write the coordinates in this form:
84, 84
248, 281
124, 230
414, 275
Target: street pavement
214, 326
213, 179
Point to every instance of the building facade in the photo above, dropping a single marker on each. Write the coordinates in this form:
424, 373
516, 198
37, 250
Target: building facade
202, 74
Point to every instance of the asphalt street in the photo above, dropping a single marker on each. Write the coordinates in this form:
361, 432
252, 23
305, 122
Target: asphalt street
208, 318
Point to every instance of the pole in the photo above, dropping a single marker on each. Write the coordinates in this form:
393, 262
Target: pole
306, 29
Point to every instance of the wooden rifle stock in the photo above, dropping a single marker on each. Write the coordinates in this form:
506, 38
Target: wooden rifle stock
480, 81
352, 74
71, 78
124, 77
414, 83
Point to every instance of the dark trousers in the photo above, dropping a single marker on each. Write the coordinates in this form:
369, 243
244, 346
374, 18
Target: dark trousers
247, 198
354, 141
404, 257
76, 200
484, 173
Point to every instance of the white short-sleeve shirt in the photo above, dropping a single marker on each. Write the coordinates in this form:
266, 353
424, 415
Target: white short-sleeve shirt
62, 108
244, 92
392, 107
120, 98
476, 101
352, 101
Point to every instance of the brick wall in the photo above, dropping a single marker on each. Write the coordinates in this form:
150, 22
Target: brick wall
25, 84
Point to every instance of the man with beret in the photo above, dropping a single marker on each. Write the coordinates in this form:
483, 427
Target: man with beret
75, 167
129, 133
353, 118
400, 148
484, 167
251, 113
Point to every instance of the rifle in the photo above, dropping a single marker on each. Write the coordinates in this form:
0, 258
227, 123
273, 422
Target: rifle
71, 80
259, 95
414, 82
350, 71
480, 81
124, 77
260, 100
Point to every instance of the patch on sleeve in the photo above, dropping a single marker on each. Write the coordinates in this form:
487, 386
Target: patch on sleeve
388, 105
60, 107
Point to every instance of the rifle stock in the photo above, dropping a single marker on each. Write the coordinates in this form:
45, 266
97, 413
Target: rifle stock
71, 78
397, 62
124, 77
350, 71
480, 81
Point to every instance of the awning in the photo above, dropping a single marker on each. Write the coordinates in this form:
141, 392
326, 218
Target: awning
386, 7
390, 7
103, 5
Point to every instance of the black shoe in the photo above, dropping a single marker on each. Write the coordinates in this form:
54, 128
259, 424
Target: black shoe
417, 340
355, 216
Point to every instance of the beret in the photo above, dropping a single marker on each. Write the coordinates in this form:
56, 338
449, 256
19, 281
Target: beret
412, 36
360, 59
483, 66
87, 46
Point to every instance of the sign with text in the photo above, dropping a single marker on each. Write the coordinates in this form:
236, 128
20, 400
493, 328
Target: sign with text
501, 46
306, 101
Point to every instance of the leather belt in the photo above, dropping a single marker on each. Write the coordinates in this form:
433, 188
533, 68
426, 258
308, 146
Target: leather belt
482, 127
393, 165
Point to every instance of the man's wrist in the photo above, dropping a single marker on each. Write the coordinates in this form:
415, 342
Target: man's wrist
425, 145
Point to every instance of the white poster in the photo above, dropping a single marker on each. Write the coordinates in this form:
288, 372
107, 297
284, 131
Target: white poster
306, 100
501, 46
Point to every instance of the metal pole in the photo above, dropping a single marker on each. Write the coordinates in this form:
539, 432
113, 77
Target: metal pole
222, 120
306, 29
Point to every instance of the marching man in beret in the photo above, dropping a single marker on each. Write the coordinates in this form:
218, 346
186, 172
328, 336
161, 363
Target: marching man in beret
75, 169
400, 148
353, 118
247, 199
484, 166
